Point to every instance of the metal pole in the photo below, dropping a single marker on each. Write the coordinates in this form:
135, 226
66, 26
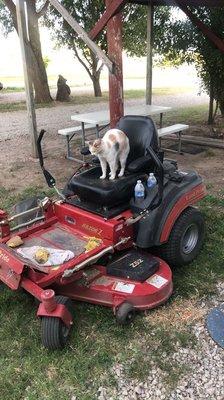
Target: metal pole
22, 30
114, 40
149, 53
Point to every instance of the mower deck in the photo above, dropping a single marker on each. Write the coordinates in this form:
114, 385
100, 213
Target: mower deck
67, 229
97, 287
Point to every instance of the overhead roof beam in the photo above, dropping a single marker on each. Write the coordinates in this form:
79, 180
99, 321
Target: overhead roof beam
83, 35
217, 41
110, 11
194, 3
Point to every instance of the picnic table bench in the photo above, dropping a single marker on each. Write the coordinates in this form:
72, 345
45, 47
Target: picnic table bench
69, 133
177, 129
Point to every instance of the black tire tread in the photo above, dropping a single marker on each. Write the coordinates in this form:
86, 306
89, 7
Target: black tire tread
51, 327
168, 251
122, 312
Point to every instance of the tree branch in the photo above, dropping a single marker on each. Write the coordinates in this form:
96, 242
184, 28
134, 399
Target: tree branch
82, 62
12, 8
100, 69
42, 11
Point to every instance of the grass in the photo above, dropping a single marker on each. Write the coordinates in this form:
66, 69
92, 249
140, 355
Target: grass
86, 98
196, 115
13, 89
27, 371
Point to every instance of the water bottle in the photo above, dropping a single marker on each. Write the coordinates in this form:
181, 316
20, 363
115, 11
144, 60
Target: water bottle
139, 191
151, 182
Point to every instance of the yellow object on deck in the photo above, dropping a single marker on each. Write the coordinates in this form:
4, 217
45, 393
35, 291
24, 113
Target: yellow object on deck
41, 256
14, 242
92, 243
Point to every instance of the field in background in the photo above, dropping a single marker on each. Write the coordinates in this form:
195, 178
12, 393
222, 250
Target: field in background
16, 83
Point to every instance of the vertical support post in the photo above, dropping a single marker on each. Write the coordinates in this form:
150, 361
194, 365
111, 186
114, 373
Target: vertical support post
22, 30
114, 40
150, 14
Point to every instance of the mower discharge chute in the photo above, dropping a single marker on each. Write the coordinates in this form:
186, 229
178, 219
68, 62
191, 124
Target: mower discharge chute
109, 237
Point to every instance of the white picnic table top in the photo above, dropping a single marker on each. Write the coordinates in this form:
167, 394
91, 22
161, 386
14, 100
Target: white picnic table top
103, 117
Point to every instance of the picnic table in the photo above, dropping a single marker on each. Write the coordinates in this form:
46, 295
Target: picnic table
101, 118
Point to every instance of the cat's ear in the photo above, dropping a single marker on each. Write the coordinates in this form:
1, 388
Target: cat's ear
97, 143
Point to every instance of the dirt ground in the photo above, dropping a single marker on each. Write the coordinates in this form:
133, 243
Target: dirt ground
19, 170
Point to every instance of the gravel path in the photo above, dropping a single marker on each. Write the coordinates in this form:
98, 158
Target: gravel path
15, 123
203, 379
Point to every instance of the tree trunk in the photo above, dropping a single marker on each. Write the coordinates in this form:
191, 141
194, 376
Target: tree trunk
211, 106
38, 70
96, 85
95, 75
221, 106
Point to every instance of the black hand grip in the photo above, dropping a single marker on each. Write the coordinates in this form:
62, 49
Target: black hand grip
85, 151
39, 148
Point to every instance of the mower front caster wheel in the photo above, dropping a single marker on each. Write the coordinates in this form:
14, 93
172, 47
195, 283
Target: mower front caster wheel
186, 238
54, 333
125, 313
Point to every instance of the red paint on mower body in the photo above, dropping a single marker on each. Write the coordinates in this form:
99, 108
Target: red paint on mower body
96, 287
90, 283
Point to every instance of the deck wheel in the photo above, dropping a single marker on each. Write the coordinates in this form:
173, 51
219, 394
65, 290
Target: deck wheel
125, 313
54, 333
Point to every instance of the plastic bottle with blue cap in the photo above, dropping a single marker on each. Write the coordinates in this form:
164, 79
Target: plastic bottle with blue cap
151, 182
139, 191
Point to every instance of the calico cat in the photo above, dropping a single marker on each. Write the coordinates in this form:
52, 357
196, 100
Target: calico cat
112, 149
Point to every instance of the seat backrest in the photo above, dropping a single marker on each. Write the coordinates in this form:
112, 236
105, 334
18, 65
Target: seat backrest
141, 132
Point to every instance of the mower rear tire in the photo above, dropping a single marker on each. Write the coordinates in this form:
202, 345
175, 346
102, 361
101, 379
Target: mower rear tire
186, 239
125, 313
54, 333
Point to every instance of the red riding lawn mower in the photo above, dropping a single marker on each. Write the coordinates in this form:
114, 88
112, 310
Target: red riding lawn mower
106, 236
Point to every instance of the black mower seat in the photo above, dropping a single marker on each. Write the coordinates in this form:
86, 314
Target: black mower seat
142, 134
104, 192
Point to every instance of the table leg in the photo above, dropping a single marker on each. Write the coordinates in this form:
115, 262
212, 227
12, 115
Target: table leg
83, 134
68, 147
161, 120
179, 143
97, 131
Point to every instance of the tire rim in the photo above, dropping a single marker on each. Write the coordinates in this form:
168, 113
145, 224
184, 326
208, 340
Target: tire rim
190, 239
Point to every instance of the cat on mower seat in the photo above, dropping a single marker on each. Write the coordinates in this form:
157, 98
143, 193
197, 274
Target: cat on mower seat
142, 134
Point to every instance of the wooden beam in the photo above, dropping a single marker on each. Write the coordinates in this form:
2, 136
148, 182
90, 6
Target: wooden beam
114, 40
22, 31
217, 41
83, 35
110, 11
149, 60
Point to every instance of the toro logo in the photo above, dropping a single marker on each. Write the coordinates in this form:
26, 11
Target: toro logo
4, 257
136, 263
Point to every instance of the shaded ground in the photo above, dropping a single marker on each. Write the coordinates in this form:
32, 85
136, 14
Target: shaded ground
166, 354
19, 170
16, 163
